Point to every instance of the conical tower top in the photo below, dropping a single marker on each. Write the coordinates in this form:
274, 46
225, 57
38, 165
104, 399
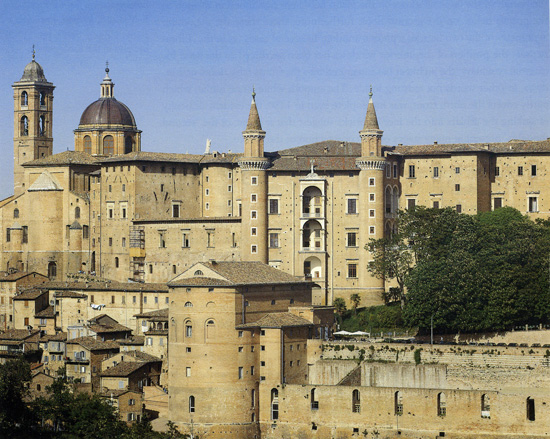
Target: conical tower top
254, 123
371, 122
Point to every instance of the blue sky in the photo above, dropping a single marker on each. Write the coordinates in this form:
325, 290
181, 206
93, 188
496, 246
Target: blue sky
446, 71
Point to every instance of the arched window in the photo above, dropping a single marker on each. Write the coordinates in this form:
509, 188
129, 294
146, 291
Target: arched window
210, 329
312, 235
42, 98
312, 202
108, 145
188, 304
16, 213
116, 262
24, 99
87, 144
42, 126
77, 212
395, 200
128, 145
52, 270
441, 404
198, 273
530, 409
274, 404
188, 328
398, 403
356, 401
388, 198
485, 406
314, 402
191, 404
24, 126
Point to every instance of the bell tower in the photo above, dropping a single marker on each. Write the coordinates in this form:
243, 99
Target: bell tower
32, 110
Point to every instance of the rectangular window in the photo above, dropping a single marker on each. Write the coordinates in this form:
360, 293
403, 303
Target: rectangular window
436, 172
394, 170
85, 232
254, 180
457, 170
175, 210
352, 270
133, 299
254, 249
187, 371
533, 170
371, 213
497, 171
188, 330
352, 239
457, 187
229, 188
112, 299
185, 240
123, 242
273, 206
388, 171
145, 299
253, 198
371, 230
371, 182
110, 242
207, 192
459, 208
8, 235
210, 239
253, 214
497, 203
273, 240
520, 170
162, 240
411, 203
436, 204
533, 204
412, 171
241, 373
352, 206
25, 236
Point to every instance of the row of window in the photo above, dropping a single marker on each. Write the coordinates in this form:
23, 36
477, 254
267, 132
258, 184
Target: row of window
108, 145
436, 173
24, 234
156, 299
398, 404
389, 168
25, 98
24, 126
532, 204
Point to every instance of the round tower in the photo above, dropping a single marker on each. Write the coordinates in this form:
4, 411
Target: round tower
107, 126
33, 116
253, 167
371, 198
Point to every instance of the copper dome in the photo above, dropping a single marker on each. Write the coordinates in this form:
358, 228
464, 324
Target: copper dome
107, 111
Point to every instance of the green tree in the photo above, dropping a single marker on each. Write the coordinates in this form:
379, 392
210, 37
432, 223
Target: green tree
355, 301
16, 419
339, 305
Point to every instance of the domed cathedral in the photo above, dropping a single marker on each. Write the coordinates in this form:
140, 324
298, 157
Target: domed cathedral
33, 105
107, 127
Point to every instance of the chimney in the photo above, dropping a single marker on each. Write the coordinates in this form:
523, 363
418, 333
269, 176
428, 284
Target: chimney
435, 143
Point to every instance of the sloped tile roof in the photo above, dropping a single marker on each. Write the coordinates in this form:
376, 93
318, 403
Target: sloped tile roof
47, 312
17, 334
240, 273
123, 369
105, 286
60, 336
30, 294
161, 314
10, 277
65, 158
144, 156
135, 340
278, 320
92, 344
141, 356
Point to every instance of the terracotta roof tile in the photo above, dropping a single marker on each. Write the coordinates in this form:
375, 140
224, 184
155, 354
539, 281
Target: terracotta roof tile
48, 312
159, 314
278, 320
30, 294
18, 334
105, 286
124, 368
65, 158
136, 340
92, 344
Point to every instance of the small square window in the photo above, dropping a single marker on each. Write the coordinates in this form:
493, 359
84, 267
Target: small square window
241, 349
229, 188
254, 249
253, 198
188, 350
371, 213
240, 333
254, 180
372, 197
371, 181
371, 230
253, 231
253, 214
